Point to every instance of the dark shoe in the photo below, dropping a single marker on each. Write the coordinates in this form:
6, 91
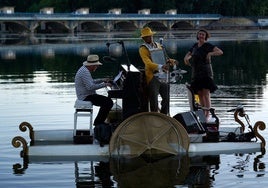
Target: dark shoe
103, 133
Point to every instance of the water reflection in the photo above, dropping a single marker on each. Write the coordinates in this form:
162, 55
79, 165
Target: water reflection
259, 166
200, 170
243, 63
167, 172
8, 55
93, 174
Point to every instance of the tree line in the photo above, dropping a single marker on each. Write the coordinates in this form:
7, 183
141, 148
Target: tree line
223, 7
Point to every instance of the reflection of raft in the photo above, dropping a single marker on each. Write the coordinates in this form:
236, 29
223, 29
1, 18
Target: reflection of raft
144, 133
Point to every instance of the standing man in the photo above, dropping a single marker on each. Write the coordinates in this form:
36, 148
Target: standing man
156, 63
86, 86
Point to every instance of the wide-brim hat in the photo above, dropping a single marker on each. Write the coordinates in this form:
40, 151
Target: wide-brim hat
92, 60
147, 32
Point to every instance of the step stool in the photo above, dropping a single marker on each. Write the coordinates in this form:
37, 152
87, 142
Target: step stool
83, 108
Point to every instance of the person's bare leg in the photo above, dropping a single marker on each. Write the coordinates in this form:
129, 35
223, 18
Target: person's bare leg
204, 96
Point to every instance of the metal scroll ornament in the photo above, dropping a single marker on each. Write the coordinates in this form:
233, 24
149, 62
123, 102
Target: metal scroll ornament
260, 125
241, 113
24, 126
17, 142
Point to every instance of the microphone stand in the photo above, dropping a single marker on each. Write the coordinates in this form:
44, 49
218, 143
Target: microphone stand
126, 54
108, 44
168, 75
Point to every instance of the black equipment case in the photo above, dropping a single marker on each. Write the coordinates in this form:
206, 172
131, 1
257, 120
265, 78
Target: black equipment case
195, 123
192, 121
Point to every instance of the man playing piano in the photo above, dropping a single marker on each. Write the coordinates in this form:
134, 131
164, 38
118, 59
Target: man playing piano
86, 87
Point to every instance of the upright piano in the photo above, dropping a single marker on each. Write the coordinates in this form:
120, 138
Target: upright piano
131, 88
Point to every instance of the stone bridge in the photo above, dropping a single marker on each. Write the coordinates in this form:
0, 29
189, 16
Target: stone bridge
100, 22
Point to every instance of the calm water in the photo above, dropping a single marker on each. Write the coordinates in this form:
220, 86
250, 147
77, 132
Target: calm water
36, 84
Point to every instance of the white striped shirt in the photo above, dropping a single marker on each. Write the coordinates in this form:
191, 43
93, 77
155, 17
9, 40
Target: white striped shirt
85, 85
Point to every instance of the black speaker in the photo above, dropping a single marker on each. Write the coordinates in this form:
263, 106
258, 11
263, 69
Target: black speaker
192, 121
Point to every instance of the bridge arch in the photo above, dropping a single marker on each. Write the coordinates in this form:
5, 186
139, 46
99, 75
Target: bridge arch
157, 26
125, 26
14, 27
90, 27
182, 25
52, 27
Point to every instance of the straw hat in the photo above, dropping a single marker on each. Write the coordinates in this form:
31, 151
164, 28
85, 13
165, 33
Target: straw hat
147, 32
92, 60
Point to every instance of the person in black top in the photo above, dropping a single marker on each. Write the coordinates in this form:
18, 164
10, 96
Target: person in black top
202, 74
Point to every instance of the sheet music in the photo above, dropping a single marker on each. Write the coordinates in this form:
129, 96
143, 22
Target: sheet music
118, 76
132, 68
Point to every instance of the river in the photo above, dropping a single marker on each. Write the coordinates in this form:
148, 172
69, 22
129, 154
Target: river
36, 84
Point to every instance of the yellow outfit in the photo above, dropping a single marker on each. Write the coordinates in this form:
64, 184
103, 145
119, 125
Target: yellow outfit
150, 66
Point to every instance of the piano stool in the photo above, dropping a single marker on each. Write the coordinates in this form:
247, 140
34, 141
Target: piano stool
83, 108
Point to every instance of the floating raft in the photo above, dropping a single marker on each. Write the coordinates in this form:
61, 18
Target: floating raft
144, 133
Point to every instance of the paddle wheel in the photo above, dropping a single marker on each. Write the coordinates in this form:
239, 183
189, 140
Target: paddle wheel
149, 133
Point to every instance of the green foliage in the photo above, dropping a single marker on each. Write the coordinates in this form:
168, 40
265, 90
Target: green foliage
223, 7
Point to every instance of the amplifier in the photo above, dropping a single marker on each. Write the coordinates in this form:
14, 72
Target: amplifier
192, 121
